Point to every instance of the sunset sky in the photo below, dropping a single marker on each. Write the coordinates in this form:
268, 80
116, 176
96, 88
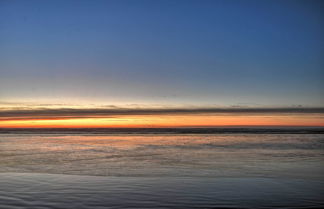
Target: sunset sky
161, 63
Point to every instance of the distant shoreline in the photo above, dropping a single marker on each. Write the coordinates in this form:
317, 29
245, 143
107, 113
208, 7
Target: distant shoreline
182, 130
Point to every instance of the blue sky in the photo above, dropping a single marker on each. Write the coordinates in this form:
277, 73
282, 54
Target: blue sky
205, 53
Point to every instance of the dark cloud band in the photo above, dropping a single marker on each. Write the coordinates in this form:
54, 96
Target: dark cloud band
66, 113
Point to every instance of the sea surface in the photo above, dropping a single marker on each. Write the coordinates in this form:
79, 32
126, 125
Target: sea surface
162, 168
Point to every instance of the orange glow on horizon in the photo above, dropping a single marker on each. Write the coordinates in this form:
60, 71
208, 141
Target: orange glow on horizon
146, 121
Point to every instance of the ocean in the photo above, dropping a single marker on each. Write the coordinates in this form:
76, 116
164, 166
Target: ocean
162, 168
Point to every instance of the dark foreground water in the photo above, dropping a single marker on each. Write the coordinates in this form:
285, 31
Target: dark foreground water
100, 169
65, 191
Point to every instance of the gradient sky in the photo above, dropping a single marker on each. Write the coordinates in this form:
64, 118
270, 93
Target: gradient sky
164, 53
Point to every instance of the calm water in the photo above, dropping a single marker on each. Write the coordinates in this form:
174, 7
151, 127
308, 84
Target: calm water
160, 170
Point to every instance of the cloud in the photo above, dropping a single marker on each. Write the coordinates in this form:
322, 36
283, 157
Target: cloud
71, 113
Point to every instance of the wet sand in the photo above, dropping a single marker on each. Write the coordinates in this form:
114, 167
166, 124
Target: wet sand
161, 170
25, 190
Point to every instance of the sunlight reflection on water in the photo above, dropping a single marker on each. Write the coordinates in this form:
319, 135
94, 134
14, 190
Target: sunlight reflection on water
265, 155
161, 170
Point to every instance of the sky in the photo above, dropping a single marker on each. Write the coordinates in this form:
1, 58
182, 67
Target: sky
163, 55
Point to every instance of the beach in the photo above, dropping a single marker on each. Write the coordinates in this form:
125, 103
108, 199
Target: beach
173, 104
102, 169
25, 190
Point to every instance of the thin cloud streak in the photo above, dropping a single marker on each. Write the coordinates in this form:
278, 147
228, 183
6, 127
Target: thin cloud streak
72, 113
